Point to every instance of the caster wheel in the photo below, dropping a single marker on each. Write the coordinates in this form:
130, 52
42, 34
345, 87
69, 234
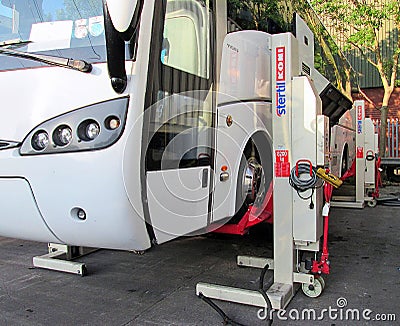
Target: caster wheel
372, 203
322, 280
315, 289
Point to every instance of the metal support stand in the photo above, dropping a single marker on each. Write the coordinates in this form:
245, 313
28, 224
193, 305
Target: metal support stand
279, 294
347, 202
59, 258
300, 132
365, 172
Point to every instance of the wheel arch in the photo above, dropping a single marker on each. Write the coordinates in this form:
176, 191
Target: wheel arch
251, 123
263, 142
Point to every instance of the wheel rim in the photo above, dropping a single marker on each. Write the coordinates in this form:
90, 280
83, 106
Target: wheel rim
313, 290
251, 180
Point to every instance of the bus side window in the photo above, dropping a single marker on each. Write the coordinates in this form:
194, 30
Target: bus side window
186, 30
180, 118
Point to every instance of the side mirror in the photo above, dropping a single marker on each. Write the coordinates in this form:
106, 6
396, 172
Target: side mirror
121, 18
121, 13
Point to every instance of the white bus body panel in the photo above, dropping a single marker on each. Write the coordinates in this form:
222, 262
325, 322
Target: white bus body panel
246, 67
32, 96
105, 183
96, 181
76, 182
248, 118
245, 76
178, 201
20, 210
341, 138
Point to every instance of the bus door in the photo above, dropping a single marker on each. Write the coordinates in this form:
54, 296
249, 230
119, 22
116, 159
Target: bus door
179, 120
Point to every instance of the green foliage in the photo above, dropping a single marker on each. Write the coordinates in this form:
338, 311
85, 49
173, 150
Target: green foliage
255, 14
359, 24
77, 9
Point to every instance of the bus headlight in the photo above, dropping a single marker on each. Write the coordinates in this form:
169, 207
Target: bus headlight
92, 130
40, 140
89, 128
62, 135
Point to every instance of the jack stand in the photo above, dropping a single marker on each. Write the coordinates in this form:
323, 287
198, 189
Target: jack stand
300, 132
60, 258
364, 172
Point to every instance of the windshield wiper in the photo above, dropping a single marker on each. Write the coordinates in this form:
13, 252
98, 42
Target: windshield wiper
14, 43
79, 65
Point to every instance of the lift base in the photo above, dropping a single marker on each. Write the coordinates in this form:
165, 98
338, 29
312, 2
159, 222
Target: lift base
279, 294
347, 202
59, 258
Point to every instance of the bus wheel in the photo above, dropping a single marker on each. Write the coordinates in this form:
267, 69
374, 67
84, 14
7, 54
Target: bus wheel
249, 179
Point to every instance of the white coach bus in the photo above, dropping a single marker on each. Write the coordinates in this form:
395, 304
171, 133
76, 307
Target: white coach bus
112, 132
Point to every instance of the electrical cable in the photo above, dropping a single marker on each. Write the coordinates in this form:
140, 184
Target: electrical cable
302, 184
227, 320
265, 296
299, 183
390, 202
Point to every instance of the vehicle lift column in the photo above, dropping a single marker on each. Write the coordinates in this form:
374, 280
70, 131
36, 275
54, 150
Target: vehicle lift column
297, 225
364, 162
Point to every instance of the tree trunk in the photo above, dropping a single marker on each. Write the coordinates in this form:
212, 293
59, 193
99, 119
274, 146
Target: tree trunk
382, 133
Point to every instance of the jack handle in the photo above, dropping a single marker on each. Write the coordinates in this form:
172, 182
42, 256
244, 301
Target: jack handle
323, 266
370, 156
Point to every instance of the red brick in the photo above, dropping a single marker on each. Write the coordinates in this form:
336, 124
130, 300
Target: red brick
376, 95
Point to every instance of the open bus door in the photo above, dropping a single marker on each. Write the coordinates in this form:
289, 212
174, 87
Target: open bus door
179, 120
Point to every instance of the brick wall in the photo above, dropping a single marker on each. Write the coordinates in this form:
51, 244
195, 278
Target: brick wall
376, 94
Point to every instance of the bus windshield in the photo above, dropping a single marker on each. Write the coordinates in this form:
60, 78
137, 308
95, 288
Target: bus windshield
65, 28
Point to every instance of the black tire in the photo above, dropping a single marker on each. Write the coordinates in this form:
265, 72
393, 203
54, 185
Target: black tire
345, 162
259, 148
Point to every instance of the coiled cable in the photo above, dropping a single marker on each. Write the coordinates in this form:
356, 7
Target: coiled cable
303, 177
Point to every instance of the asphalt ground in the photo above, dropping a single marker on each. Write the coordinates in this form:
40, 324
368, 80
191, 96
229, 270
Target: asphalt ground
158, 288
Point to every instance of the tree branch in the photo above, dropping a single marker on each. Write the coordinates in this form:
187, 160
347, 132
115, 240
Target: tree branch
367, 98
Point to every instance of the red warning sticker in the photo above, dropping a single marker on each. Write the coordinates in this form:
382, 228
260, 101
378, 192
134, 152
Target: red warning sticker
282, 165
360, 152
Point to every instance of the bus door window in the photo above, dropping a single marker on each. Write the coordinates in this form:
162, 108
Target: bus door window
181, 115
